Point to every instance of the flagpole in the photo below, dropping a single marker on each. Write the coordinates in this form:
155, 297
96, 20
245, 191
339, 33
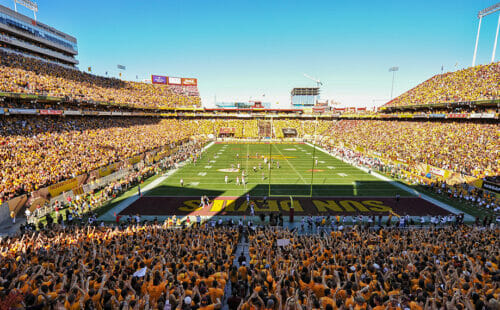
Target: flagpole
314, 156
270, 166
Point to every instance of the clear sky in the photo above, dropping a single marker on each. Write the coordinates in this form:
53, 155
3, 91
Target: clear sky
246, 49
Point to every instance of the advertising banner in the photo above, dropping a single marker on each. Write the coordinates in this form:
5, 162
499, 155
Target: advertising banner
457, 115
174, 81
2, 111
435, 115
107, 170
23, 111
116, 113
104, 113
61, 187
90, 113
69, 112
491, 186
189, 82
51, 112
475, 115
224, 130
439, 172
488, 115
134, 160
158, 79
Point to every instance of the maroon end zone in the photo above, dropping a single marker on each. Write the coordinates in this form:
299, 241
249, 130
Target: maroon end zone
237, 206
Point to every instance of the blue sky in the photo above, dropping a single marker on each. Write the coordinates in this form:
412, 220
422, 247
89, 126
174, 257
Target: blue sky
241, 50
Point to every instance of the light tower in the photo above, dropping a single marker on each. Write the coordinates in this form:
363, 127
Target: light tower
490, 10
31, 5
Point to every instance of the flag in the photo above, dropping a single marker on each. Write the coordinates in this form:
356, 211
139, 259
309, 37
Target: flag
120, 74
90, 69
121, 67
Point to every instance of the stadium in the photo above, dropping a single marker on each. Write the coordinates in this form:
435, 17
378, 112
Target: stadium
118, 193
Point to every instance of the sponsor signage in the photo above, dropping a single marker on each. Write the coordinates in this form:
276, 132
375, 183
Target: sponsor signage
475, 115
23, 111
225, 130
189, 82
174, 81
436, 171
170, 80
116, 113
491, 186
69, 112
158, 79
62, 187
488, 115
104, 113
51, 112
457, 115
2, 111
90, 113
434, 115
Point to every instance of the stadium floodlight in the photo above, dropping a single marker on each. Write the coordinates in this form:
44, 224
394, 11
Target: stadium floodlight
31, 5
393, 70
490, 10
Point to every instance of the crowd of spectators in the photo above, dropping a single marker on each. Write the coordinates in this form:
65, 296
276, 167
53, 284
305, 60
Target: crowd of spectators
467, 194
149, 266
35, 152
471, 84
20, 74
469, 148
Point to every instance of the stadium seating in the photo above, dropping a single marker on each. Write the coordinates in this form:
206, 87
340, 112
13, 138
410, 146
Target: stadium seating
144, 266
46, 153
471, 84
35, 153
465, 147
20, 74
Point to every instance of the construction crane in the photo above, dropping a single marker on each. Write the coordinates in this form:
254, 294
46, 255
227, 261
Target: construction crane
318, 82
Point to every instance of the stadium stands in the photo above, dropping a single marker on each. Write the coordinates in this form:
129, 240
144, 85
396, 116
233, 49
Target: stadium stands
35, 153
48, 152
471, 84
144, 266
20, 74
466, 147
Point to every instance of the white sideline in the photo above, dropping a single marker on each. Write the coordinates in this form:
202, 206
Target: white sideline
108, 216
467, 217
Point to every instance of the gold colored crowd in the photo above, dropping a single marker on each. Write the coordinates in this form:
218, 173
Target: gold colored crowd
471, 84
152, 267
28, 75
35, 153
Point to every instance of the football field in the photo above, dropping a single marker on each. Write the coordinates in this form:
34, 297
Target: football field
299, 167
276, 176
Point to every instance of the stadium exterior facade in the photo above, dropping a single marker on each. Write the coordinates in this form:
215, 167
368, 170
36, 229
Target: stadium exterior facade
21, 34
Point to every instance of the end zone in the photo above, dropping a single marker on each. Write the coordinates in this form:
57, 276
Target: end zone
238, 206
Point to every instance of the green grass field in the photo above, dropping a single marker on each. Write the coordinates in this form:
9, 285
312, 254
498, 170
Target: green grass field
331, 177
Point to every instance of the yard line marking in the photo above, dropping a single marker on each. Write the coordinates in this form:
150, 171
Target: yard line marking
194, 183
321, 161
329, 167
208, 167
202, 174
212, 161
293, 168
342, 174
